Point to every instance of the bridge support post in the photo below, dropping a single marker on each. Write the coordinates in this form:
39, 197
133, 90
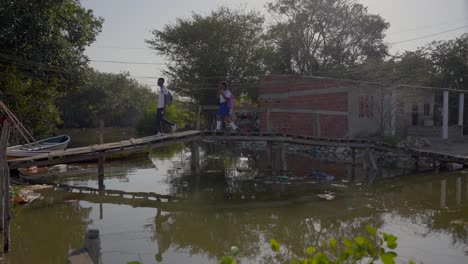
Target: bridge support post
353, 156
416, 163
195, 158
459, 190
284, 162
4, 191
269, 154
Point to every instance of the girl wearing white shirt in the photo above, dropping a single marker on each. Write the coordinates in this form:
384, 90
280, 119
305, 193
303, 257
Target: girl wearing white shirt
224, 96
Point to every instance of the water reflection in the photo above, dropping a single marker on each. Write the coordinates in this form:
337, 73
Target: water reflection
238, 200
45, 231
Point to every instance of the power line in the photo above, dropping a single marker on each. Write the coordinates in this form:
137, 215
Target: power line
129, 62
424, 27
427, 36
121, 48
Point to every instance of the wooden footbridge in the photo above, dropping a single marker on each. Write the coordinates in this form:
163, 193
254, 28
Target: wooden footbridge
144, 144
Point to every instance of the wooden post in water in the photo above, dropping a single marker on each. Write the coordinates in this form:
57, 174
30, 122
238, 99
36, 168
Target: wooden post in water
195, 158
4, 190
353, 156
101, 160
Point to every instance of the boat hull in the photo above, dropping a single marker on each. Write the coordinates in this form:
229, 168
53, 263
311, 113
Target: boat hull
39, 147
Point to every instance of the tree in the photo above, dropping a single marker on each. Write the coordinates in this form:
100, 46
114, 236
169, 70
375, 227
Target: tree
203, 50
322, 36
42, 57
114, 98
47, 38
450, 60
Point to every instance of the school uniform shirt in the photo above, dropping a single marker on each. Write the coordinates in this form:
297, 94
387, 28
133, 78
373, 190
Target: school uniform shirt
162, 92
227, 94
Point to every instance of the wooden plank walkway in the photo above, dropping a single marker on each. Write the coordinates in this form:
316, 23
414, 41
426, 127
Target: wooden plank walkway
146, 143
96, 151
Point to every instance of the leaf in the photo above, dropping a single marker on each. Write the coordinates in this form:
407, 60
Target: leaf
274, 245
324, 244
348, 243
387, 258
320, 258
345, 255
371, 230
332, 243
391, 241
228, 260
310, 250
360, 240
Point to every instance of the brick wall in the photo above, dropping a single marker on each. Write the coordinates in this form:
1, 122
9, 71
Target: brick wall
325, 103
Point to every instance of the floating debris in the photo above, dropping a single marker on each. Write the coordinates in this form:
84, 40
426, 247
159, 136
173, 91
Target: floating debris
27, 194
339, 185
458, 222
321, 176
326, 196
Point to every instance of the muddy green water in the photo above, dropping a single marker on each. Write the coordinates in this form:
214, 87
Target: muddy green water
226, 206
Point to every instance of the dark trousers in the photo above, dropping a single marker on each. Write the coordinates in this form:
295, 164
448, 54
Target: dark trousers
160, 120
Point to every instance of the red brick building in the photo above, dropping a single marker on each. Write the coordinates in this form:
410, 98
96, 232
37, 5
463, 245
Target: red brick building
332, 108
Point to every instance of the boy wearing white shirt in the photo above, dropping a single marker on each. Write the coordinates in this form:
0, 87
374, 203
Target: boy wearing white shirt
162, 104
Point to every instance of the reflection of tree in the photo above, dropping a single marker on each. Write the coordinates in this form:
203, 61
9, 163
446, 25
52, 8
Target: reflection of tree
166, 152
44, 231
418, 201
252, 213
213, 232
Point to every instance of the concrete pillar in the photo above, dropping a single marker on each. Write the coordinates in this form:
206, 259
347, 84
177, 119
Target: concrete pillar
459, 190
445, 116
268, 121
443, 194
195, 158
461, 108
393, 112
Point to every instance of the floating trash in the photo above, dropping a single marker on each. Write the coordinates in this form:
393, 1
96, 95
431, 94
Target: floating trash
339, 185
326, 196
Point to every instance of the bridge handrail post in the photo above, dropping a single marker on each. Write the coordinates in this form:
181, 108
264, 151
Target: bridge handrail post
198, 116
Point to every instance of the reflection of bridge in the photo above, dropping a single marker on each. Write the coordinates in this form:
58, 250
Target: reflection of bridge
167, 203
144, 144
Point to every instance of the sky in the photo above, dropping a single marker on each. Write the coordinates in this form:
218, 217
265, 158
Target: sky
128, 23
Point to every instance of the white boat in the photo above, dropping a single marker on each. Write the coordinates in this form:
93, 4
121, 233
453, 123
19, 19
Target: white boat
39, 147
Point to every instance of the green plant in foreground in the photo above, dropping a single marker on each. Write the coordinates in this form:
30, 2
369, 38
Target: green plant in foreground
371, 248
